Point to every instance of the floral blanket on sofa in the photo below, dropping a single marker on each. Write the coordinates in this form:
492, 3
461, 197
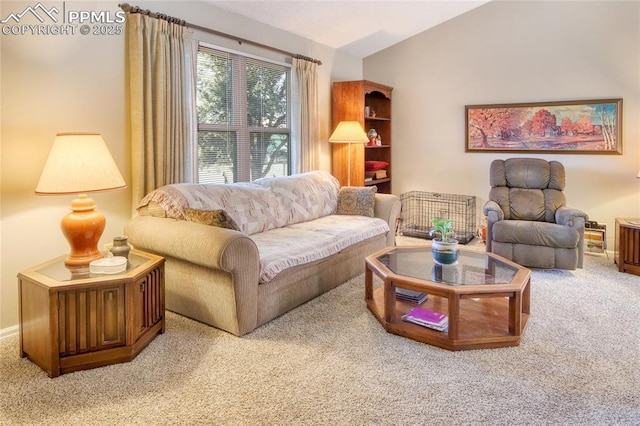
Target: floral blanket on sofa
293, 220
306, 242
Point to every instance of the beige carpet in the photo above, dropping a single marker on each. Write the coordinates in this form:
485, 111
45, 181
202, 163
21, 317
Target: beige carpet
330, 362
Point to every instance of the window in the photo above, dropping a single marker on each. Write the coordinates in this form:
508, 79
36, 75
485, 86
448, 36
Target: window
243, 113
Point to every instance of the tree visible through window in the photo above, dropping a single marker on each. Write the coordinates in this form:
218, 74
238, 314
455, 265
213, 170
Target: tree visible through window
243, 118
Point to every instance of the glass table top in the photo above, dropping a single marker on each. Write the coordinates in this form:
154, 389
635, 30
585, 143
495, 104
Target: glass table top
471, 268
60, 272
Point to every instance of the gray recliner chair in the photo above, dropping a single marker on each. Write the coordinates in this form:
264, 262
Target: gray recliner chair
528, 221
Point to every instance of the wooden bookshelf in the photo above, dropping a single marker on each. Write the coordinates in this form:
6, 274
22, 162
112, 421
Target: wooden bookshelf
349, 101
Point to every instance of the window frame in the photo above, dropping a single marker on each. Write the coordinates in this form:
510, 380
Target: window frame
239, 124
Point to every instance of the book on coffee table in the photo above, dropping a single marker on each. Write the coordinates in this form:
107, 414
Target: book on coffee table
411, 295
427, 318
443, 327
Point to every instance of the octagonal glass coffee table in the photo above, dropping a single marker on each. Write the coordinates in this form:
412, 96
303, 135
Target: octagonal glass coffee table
486, 297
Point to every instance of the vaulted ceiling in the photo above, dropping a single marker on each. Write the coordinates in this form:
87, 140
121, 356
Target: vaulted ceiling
358, 28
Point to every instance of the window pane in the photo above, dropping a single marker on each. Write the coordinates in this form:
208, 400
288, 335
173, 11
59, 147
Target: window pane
217, 152
214, 100
267, 95
243, 126
269, 155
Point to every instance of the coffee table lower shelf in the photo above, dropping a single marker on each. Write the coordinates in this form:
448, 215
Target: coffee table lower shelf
486, 297
484, 326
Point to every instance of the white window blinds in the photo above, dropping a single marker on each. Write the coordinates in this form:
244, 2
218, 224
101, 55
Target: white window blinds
243, 109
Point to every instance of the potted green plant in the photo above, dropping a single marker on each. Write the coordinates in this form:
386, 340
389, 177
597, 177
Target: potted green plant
444, 247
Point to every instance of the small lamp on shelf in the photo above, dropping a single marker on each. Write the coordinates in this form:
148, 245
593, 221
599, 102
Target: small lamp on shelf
349, 132
79, 163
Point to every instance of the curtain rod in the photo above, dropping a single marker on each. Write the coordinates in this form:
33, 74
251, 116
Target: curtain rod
135, 9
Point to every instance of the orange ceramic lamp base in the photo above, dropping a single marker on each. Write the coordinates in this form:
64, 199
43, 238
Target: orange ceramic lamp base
83, 228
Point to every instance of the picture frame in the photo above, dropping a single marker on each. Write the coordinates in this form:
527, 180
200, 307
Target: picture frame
559, 127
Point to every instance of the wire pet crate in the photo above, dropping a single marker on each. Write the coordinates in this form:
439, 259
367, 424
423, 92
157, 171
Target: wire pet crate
419, 207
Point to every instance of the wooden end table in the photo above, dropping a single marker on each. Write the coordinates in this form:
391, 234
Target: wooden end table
74, 320
627, 245
486, 296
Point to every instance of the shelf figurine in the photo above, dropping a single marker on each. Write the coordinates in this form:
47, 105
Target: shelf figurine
372, 134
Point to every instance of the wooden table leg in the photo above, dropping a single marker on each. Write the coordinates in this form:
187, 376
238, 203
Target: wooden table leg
526, 298
368, 283
389, 301
454, 314
515, 314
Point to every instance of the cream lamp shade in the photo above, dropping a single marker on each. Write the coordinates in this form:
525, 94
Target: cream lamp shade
349, 132
79, 163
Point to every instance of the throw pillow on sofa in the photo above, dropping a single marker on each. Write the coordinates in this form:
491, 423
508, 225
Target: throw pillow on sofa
218, 218
355, 200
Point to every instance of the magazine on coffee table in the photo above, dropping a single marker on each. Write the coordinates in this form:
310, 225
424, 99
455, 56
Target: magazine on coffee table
427, 318
411, 295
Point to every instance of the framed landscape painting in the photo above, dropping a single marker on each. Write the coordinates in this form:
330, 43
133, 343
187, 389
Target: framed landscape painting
566, 127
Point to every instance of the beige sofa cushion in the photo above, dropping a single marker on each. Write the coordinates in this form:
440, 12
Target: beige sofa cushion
254, 206
306, 242
305, 196
218, 218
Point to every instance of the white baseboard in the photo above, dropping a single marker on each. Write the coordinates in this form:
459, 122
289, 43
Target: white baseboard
9, 331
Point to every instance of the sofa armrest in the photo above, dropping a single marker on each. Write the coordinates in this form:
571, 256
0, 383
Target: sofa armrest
210, 248
204, 245
493, 211
575, 219
568, 216
387, 208
494, 214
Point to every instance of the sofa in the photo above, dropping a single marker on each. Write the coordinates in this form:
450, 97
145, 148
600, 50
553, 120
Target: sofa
239, 255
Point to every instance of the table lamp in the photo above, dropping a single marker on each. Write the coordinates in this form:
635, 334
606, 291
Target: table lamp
79, 163
349, 132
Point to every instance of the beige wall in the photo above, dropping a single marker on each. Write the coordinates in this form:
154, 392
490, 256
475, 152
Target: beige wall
59, 83
506, 52
500, 52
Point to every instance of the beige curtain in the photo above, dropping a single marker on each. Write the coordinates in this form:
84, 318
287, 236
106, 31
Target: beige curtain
305, 124
159, 63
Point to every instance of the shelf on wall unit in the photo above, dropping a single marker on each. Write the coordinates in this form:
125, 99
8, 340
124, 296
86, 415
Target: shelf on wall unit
376, 146
377, 118
377, 181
